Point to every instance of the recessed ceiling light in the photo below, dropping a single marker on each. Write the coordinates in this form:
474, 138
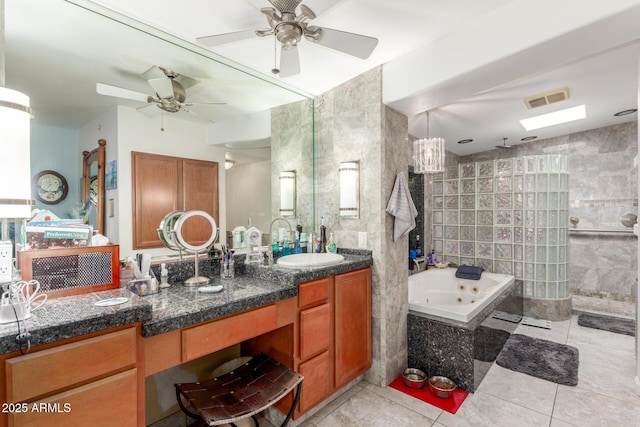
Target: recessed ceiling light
528, 138
465, 141
555, 118
625, 112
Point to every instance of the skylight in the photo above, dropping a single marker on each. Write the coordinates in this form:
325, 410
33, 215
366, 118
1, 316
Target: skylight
555, 118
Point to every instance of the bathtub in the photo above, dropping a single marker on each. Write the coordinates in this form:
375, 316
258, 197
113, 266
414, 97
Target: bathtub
439, 292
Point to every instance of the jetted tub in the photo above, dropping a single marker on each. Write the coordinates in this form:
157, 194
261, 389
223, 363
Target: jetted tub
440, 293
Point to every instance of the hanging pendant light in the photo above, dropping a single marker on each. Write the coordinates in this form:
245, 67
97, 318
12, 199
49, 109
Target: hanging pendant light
428, 153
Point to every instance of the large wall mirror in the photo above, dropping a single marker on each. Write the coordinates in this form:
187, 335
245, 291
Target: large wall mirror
58, 53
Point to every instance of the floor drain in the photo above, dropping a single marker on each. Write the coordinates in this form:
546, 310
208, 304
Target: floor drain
501, 315
538, 323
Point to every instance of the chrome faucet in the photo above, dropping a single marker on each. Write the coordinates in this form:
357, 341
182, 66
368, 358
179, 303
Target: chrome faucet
270, 251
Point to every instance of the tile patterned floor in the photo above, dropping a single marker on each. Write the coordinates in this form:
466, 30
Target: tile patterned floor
605, 394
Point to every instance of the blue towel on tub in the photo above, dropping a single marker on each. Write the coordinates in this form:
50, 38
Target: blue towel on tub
469, 272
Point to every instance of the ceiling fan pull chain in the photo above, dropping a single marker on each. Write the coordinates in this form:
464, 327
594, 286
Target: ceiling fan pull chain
162, 120
275, 69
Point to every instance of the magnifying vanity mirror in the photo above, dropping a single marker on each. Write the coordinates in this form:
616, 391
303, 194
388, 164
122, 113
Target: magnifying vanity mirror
187, 233
93, 187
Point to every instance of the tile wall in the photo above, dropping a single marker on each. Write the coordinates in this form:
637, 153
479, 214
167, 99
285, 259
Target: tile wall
507, 216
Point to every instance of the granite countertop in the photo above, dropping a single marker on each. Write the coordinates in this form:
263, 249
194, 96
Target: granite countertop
172, 308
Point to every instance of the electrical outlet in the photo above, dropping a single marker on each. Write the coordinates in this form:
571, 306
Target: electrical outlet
6, 261
362, 239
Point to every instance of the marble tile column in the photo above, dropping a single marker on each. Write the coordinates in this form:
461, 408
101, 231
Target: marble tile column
354, 125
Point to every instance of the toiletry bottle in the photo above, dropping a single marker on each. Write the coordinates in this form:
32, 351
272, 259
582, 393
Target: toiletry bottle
310, 243
331, 245
286, 249
297, 249
299, 227
434, 258
164, 276
418, 247
323, 235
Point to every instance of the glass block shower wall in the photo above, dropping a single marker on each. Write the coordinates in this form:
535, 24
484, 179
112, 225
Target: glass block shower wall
507, 216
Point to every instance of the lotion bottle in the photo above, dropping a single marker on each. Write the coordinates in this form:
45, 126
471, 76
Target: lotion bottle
323, 236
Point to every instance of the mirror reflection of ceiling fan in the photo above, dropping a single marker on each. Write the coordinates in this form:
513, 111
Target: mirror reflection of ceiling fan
170, 92
289, 27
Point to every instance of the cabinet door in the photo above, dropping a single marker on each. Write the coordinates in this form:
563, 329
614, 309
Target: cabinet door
163, 184
199, 192
316, 385
155, 194
352, 325
109, 402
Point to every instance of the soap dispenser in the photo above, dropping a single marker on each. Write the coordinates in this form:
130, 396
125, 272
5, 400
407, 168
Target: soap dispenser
331, 245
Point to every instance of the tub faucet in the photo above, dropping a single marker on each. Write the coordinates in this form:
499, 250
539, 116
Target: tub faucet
270, 251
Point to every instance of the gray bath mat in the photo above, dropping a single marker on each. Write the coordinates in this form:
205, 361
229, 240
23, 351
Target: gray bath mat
544, 359
608, 323
488, 342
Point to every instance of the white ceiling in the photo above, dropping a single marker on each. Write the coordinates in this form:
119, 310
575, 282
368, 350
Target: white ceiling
469, 63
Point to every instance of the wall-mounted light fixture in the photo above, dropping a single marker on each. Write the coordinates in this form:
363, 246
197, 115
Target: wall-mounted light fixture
428, 153
349, 189
228, 164
288, 194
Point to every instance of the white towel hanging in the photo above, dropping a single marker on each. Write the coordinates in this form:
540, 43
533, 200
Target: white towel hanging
401, 206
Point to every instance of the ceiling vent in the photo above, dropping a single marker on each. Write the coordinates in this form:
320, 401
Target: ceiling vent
547, 98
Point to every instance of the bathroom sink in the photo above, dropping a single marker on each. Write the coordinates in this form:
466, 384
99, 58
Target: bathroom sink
310, 260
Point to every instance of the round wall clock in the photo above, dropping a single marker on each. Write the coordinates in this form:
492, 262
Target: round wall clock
93, 191
50, 187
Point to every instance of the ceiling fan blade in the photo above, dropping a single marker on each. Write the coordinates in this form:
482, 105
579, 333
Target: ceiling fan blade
219, 39
289, 62
104, 89
162, 86
156, 72
149, 110
353, 44
200, 116
188, 104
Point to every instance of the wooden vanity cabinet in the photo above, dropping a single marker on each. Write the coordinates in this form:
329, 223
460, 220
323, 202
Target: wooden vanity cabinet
352, 317
334, 334
163, 184
92, 381
315, 338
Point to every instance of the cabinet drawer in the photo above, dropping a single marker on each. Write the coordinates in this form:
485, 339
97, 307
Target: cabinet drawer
313, 292
219, 334
315, 330
109, 402
316, 385
37, 374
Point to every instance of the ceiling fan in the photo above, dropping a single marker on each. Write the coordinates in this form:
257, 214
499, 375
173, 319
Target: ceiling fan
170, 92
289, 27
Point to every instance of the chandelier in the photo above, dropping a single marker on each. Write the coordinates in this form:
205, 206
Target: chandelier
428, 154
